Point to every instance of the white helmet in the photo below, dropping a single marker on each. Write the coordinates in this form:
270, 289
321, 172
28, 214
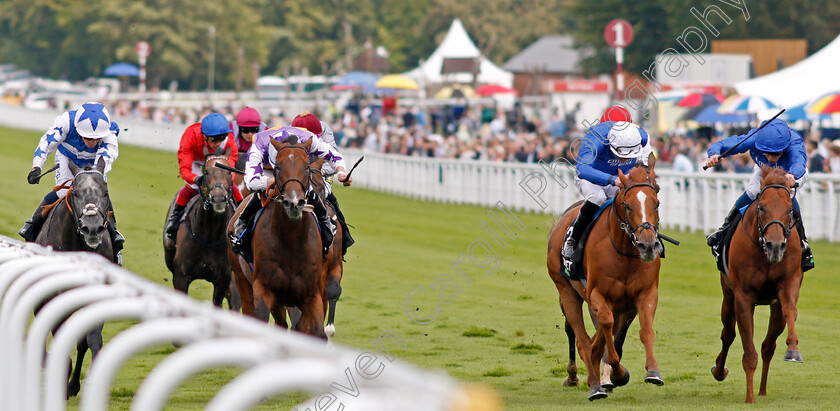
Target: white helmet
93, 121
625, 140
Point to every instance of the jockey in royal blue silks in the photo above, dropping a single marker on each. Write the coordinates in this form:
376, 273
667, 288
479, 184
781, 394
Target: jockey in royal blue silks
775, 145
261, 160
606, 148
82, 136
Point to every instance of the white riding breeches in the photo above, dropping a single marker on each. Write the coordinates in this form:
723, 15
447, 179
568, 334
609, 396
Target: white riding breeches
754, 186
594, 193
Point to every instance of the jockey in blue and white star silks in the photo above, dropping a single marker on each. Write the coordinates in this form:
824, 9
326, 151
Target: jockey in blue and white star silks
606, 148
258, 172
82, 136
775, 145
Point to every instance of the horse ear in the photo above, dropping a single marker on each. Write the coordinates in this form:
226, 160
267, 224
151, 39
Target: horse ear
308, 144
228, 151
74, 169
100, 165
651, 161
205, 152
276, 144
622, 177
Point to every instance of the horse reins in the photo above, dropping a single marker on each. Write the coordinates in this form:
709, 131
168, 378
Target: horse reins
625, 224
228, 190
273, 193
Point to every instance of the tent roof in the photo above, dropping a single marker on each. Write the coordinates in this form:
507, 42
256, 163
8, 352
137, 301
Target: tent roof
801, 82
553, 54
458, 44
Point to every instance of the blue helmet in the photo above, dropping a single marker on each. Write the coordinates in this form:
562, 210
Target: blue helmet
773, 138
215, 124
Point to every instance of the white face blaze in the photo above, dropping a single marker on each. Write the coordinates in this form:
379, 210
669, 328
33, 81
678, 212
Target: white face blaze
641, 196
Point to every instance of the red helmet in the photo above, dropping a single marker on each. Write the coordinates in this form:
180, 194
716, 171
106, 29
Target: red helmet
308, 121
616, 113
248, 117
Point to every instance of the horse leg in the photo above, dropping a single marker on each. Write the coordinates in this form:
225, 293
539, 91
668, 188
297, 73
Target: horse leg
263, 301
768, 346
244, 287
232, 296
646, 306
571, 368
181, 281
602, 340
572, 306
278, 311
220, 289
788, 296
623, 324
75, 383
333, 293
312, 317
744, 310
727, 336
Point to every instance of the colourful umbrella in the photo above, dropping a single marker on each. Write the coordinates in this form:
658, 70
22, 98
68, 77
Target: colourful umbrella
827, 104
397, 81
746, 105
699, 99
122, 69
454, 91
492, 89
355, 80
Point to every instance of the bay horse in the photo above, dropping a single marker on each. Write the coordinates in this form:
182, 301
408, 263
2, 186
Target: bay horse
764, 268
288, 266
78, 222
334, 263
198, 249
621, 263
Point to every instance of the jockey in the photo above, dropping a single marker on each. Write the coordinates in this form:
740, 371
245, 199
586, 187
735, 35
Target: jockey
616, 113
308, 121
606, 148
775, 145
246, 125
83, 136
261, 159
200, 138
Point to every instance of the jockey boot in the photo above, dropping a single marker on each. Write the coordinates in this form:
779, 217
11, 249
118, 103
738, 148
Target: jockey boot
117, 239
346, 238
327, 226
32, 227
174, 221
714, 238
238, 239
807, 255
576, 229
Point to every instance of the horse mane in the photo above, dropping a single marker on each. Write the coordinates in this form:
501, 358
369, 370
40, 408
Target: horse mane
773, 175
291, 139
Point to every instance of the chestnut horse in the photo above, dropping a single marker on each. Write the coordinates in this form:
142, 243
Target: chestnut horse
621, 263
288, 258
764, 268
198, 250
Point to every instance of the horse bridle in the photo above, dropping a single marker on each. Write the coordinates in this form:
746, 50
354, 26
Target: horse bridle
625, 224
306, 187
763, 228
228, 190
90, 209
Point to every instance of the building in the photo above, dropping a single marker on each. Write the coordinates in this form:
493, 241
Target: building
550, 58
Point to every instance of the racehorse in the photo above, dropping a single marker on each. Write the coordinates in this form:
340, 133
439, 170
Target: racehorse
78, 222
622, 278
197, 252
773, 278
288, 258
334, 263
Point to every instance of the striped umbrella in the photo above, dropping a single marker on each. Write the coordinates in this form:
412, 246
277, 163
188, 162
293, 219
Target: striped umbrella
827, 104
700, 99
746, 105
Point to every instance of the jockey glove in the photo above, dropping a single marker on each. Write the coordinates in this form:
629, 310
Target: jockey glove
198, 180
34, 176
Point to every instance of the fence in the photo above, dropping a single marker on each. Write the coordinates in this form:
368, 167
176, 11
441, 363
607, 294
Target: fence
690, 201
94, 291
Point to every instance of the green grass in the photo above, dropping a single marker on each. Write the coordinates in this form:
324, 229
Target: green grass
404, 244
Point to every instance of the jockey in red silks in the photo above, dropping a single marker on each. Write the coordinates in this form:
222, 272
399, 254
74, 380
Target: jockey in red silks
311, 123
206, 137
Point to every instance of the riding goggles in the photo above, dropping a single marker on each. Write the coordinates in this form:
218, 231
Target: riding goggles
218, 137
248, 129
626, 151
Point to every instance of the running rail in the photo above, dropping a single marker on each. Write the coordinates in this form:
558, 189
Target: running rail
93, 291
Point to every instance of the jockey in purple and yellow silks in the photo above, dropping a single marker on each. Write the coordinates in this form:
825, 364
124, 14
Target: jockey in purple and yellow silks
261, 159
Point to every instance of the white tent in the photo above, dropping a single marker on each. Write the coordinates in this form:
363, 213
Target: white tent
801, 82
457, 44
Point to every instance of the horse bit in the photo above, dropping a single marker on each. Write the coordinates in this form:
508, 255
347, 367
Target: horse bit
625, 224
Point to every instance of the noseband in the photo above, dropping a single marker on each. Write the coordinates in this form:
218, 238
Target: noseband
763, 228
629, 229
306, 187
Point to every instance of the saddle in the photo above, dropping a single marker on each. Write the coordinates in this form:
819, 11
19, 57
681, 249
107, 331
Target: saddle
721, 250
573, 269
248, 235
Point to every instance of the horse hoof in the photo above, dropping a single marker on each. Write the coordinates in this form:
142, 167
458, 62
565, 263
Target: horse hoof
723, 377
620, 382
793, 356
607, 385
597, 393
330, 330
654, 377
570, 382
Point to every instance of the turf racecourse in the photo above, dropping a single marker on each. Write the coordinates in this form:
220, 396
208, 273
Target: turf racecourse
503, 330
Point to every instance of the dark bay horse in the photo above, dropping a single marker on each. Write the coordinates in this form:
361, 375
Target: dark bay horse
288, 259
764, 268
78, 222
198, 250
621, 262
334, 263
